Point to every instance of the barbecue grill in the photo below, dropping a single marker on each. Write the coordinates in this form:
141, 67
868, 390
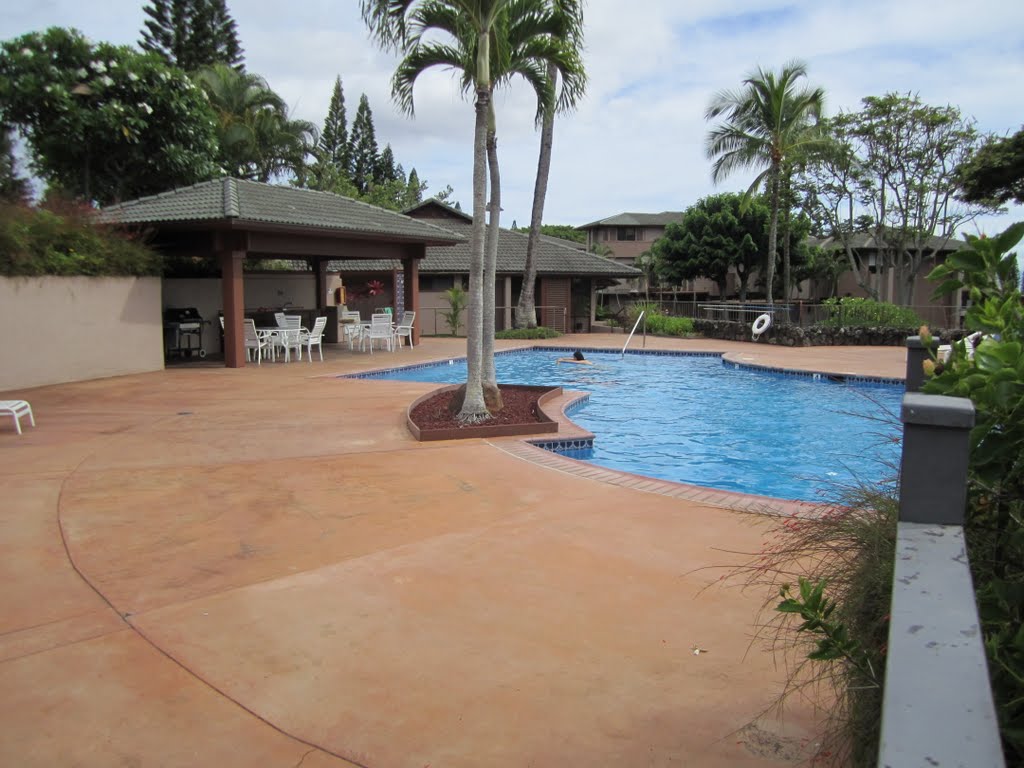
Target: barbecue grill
183, 332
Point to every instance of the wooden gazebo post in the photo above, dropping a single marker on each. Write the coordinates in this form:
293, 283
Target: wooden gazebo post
232, 284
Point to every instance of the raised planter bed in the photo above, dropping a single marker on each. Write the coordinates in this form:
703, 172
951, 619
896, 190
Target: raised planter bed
528, 420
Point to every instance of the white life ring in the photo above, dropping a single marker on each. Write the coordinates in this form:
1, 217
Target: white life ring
761, 324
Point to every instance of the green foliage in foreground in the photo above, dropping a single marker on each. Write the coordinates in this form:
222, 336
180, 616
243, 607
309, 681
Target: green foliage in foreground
659, 323
43, 242
540, 332
868, 313
993, 378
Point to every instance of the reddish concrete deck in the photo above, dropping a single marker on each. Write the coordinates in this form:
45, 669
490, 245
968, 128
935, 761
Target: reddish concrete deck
259, 566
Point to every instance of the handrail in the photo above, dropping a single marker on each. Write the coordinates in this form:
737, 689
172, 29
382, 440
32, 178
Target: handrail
638, 319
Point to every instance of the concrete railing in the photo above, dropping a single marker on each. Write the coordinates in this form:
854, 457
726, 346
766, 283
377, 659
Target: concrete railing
937, 705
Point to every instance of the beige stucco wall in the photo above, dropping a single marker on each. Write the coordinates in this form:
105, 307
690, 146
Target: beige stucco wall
60, 329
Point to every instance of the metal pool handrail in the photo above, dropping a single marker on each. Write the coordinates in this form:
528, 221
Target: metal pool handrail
639, 318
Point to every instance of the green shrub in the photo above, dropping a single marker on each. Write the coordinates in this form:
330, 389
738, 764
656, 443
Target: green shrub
457, 299
540, 332
868, 313
658, 322
44, 242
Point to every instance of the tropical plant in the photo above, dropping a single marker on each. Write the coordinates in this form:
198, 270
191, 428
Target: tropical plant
191, 34
658, 322
487, 42
868, 313
258, 140
104, 122
572, 90
456, 298
766, 123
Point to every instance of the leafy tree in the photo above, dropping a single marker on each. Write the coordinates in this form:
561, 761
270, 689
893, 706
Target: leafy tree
889, 172
258, 140
486, 42
766, 123
333, 147
104, 122
716, 235
995, 174
563, 232
363, 147
13, 189
570, 14
191, 34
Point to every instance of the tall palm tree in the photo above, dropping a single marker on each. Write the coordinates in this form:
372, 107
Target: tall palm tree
488, 42
767, 122
574, 83
258, 140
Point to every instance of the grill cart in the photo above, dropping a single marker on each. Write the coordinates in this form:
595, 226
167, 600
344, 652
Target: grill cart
183, 332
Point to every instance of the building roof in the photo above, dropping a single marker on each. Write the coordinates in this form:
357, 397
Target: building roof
240, 203
869, 242
554, 257
637, 220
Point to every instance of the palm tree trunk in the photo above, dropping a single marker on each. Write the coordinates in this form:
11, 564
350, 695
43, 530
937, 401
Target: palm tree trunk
488, 376
473, 408
526, 311
787, 215
773, 233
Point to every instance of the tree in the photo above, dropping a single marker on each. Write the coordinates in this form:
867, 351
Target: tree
889, 173
564, 232
191, 34
717, 234
570, 13
104, 122
258, 140
766, 123
333, 148
995, 174
363, 147
385, 169
486, 44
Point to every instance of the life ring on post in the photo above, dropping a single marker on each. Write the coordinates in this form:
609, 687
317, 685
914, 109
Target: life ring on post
761, 324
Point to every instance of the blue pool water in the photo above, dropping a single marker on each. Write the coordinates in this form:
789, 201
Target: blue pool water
695, 419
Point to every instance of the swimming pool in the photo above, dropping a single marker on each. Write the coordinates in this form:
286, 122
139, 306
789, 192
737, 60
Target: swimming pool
694, 419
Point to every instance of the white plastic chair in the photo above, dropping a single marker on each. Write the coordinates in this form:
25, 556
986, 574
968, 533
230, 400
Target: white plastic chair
314, 337
253, 341
16, 409
379, 329
354, 329
290, 337
404, 328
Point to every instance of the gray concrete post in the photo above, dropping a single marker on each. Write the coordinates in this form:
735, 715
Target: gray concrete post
933, 476
917, 353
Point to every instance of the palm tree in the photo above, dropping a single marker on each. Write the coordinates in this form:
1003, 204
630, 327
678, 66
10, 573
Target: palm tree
574, 83
257, 138
766, 123
488, 42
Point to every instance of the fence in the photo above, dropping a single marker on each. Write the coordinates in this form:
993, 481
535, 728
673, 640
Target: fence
434, 323
937, 705
795, 313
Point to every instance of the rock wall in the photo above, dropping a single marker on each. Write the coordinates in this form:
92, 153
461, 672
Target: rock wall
787, 335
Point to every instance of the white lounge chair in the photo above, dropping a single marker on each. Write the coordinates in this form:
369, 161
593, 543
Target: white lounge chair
404, 328
16, 409
314, 338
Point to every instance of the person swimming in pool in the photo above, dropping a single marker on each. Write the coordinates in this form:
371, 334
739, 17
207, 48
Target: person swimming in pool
577, 358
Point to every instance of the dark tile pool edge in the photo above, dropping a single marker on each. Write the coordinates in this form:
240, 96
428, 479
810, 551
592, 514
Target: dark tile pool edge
839, 378
535, 452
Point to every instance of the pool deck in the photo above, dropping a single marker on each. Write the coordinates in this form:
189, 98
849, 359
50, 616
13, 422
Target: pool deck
260, 567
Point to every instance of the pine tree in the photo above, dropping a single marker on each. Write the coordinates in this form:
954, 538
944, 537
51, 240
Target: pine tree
385, 169
333, 146
363, 147
192, 33
413, 190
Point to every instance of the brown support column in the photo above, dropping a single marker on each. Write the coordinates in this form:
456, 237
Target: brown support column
411, 271
234, 307
321, 283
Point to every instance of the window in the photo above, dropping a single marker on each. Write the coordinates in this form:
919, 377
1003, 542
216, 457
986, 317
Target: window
626, 233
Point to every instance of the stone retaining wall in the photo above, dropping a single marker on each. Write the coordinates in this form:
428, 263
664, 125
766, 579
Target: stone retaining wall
787, 335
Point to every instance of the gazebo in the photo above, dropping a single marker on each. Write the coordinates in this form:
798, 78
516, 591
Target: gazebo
231, 220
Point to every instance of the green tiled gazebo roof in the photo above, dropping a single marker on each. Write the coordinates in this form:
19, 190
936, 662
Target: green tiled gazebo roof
240, 203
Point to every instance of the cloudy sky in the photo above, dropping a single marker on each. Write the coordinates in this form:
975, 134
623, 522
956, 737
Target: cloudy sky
636, 142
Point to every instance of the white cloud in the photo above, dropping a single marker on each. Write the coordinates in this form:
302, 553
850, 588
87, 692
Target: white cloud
636, 141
